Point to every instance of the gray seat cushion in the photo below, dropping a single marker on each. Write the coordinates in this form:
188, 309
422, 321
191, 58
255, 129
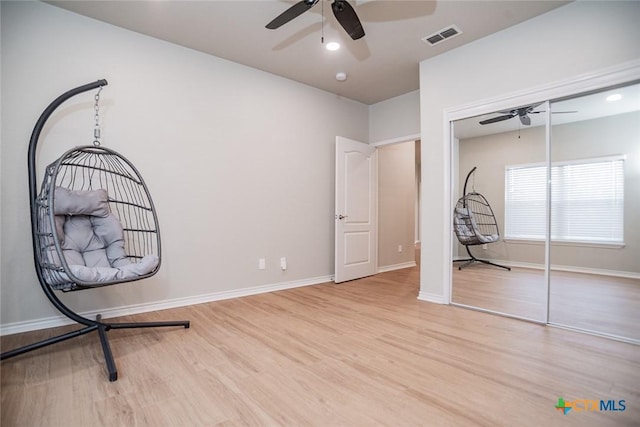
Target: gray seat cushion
92, 238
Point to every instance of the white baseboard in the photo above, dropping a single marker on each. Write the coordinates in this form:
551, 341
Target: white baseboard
572, 269
426, 296
567, 268
585, 270
55, 321
386, 268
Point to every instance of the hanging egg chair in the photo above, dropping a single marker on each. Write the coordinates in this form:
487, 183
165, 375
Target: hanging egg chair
474, 224
93, 224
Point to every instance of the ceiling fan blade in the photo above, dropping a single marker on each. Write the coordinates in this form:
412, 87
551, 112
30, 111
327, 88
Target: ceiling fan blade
553, 112
526, 120
291, 13
496, 119
347, 17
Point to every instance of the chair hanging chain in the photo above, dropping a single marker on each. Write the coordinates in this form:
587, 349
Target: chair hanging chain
96, 128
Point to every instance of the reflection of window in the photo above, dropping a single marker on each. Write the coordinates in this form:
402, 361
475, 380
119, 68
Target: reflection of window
587, 201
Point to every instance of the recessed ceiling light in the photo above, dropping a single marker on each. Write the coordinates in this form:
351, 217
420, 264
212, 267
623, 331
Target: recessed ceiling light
333, 46
341, 76
614, 97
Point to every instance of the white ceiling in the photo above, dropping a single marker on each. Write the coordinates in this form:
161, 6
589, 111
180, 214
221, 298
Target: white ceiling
382, 65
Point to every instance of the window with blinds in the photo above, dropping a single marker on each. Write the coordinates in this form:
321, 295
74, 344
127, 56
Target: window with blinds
587, 201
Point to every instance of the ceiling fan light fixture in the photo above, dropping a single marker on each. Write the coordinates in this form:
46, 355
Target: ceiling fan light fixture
332, 46
345, 15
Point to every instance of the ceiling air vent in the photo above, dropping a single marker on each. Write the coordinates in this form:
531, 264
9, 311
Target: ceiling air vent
442, 35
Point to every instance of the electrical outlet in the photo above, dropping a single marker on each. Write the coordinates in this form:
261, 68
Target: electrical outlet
283, 263
399, 248
262, 264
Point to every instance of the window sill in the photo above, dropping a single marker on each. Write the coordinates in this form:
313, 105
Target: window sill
604, 245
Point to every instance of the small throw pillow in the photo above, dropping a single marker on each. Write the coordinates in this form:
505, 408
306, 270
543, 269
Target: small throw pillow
78, 202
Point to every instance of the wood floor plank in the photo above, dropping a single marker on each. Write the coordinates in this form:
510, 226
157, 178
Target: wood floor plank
360, 353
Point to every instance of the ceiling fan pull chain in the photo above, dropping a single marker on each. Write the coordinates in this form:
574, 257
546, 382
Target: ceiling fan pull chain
322, 23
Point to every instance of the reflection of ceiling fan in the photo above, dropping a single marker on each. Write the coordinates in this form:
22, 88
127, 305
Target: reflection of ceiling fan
522, 112
343, 11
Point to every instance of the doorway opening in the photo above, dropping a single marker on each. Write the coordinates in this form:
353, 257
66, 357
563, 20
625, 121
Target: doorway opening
398, 205
377, 231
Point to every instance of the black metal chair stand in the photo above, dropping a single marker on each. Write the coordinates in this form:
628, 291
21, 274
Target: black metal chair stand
88, 168
472, 259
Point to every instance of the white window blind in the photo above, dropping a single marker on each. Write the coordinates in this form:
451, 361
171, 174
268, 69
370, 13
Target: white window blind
587, 201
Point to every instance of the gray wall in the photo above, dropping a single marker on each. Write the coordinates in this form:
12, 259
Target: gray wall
396, 204
580, 140
395, 118
233, 179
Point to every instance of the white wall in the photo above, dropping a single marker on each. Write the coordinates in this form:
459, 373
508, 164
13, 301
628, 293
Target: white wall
573, 40
395, 118
236, 172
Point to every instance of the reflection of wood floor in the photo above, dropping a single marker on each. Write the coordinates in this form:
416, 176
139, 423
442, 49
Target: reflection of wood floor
604, 304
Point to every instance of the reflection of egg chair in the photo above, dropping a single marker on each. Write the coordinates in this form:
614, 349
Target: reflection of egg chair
93, 224
474, 224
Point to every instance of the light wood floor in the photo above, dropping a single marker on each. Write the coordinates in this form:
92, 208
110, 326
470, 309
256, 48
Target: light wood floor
605, 304
361, 353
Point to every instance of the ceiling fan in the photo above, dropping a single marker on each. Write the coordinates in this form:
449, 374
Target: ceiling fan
343, 11
522, 113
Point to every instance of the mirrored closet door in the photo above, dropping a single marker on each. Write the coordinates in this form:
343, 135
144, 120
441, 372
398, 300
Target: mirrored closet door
562, 183
595, 224
500, 268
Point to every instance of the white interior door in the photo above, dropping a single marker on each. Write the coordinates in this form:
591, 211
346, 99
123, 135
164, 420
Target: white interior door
356, 210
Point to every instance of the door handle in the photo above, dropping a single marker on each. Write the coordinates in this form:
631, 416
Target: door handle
343, 216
